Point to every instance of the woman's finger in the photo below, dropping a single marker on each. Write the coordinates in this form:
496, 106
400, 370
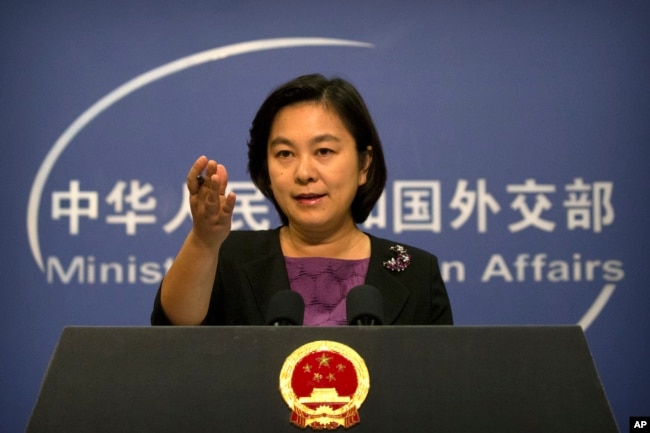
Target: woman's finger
193, 182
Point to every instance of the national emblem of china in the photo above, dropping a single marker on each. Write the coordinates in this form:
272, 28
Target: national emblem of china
324, 383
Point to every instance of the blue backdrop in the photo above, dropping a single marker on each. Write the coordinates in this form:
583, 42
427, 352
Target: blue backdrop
516, 135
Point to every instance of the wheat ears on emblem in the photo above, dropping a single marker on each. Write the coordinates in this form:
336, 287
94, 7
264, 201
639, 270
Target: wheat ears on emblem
401, 261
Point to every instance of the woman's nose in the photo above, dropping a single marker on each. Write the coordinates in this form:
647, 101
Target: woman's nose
305, 171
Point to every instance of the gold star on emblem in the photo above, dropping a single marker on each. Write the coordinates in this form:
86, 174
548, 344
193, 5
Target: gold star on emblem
324, 360
306, 368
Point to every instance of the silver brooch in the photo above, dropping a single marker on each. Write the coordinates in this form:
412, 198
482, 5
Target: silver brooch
400, 262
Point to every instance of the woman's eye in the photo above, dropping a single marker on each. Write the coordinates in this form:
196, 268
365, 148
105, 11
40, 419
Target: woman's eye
283, 154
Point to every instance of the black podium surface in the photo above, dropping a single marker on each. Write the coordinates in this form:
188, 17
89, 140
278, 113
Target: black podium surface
226, 379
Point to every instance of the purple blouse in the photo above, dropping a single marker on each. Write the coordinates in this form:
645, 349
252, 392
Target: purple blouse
324, 284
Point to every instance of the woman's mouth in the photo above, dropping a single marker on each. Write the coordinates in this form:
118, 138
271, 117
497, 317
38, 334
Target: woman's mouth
308, 198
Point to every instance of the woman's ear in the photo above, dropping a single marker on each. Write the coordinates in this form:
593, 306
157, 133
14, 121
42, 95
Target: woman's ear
365, 165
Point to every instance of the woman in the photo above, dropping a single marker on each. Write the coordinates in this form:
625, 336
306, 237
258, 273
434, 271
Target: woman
315, 153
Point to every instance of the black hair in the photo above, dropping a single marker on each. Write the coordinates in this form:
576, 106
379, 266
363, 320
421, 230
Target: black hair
340, 96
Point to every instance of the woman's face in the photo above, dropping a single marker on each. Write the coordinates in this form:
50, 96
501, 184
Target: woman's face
314, 166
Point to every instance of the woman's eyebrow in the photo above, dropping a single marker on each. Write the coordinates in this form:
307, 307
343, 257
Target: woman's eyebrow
321, 138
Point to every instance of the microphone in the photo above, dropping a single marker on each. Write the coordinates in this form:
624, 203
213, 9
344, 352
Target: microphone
364, 306
285, 308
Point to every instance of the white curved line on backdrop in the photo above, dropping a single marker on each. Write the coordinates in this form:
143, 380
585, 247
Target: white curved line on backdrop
140, 81
598, 305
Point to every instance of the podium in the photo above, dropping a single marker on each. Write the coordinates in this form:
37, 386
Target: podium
226, 379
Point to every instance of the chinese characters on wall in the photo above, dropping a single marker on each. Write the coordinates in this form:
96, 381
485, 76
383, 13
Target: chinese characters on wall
417, 206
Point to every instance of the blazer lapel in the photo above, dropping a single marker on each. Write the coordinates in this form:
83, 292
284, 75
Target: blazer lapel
394, 292
267, 275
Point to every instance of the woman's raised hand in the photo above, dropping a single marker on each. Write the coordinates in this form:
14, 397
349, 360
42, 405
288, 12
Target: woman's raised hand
211, 208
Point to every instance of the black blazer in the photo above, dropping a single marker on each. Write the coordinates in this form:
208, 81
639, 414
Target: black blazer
251, 269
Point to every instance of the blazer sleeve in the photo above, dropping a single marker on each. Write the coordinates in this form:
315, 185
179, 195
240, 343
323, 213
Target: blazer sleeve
440, 305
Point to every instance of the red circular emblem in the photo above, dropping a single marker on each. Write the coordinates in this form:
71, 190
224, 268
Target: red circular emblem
324, 383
